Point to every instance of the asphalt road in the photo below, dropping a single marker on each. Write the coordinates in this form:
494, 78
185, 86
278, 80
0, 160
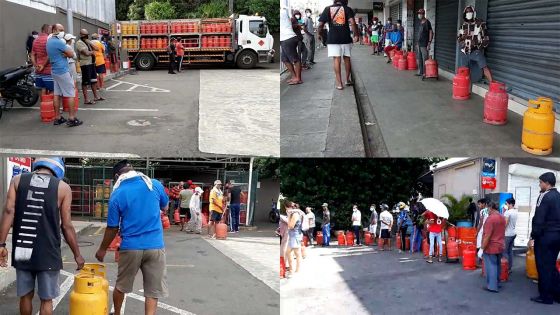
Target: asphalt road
201, 280
151, 113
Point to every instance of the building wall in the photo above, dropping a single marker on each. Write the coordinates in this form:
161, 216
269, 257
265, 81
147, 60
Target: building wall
270, 189
458, 179
18, 21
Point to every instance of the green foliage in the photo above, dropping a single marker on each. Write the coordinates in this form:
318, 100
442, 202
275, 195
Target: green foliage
342, 182
121, 8
457, 207
136, 9
267, 167
266, 8
213, 9
159, 11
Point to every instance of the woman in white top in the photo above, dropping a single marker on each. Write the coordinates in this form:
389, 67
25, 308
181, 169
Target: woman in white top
511, 219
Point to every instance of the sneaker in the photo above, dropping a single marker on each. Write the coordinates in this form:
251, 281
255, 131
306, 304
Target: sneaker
74, 123
231, 232
59, 121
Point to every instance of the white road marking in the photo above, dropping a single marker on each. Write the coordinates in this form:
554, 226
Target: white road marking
114, 85
168, 307
27, 152
104, 109
134, 86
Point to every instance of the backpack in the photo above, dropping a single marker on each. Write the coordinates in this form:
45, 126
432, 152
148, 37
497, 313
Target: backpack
305, 223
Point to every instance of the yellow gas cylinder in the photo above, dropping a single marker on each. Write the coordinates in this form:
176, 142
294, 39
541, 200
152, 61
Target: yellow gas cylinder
538, 127
98, 270
106, 192
98, 191
88, 297
98, 209
530, 264
105, 209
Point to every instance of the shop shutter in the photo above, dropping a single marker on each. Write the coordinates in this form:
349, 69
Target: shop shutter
396, 12
418, 4
524, 50
445, 37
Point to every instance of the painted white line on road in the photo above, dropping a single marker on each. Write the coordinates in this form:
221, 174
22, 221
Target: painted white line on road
26, 152
134, 86
114, 85
104, 109
167, 307
64, 288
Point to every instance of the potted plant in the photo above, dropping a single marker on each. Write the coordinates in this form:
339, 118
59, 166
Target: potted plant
457, 208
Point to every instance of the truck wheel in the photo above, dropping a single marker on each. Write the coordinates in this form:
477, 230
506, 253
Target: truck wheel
247, 59
145, 62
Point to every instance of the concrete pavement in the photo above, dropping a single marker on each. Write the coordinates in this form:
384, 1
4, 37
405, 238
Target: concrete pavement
420, 118
361, 280
317, 120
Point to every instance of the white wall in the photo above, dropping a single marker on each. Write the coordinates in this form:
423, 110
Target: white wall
101, 10
458, 179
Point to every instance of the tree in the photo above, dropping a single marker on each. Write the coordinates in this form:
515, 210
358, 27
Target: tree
121, 8
159, 11
267, 167
213, 9
342, 182
136, 9
457, 207
266, 8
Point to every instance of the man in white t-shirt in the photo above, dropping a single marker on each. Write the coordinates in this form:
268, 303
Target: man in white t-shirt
511, 219
289, 43
310, 217
386, 219
356, 223
373, 221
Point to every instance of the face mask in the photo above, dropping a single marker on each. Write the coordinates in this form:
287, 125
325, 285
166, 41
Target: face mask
35, 36
308, 14
469, 15
420, 16
60, 35
398, 25
298, 17
372, 208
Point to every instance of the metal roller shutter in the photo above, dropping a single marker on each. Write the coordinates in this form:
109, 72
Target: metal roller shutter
418, 4
524, 50
446, 34
396, 12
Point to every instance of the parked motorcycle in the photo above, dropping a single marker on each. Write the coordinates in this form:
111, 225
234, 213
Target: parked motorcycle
274, 214
17, 84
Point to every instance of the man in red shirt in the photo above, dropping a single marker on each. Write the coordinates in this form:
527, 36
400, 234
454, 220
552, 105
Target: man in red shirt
434, 225
180, 53
40, 60
493, 244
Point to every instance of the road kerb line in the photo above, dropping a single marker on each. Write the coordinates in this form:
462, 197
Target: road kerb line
160, 304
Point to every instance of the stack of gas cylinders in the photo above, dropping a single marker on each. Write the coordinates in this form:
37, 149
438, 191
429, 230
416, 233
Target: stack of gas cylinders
216, 41
216, 27
184, 27
129, 28
154, 43
130, 43
154, 28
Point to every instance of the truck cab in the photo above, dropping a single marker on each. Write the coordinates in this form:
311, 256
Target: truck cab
253, 40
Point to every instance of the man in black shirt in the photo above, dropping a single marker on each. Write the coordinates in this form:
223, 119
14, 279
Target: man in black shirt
339, 43
471, 210
545, 237
171, 52
425, 36
234, 205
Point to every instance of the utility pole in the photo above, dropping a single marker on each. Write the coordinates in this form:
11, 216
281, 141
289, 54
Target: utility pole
69, 18
230, 7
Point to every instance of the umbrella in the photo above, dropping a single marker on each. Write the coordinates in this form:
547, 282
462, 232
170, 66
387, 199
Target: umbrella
436, 207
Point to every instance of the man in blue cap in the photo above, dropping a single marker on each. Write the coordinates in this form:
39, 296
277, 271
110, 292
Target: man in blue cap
38, 206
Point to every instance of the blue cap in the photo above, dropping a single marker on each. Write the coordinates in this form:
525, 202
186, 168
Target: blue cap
55, 164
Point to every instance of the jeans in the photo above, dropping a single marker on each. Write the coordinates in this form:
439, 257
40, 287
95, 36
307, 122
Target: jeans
416, 240
302, 52
234, 207
309, 41
403, 237
508, 250
171, 62
421, 57
179, 63
357, 233
432, 243
326, 234
492, 269
310, 234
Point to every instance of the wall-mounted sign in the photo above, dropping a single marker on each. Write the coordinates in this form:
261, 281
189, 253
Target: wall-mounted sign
17, 166
488, 182
489, 167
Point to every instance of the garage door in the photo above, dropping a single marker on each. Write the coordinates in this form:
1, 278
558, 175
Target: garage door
395, 11
524, 49
446, 34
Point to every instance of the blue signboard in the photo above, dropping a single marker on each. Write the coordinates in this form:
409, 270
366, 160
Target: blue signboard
489, 167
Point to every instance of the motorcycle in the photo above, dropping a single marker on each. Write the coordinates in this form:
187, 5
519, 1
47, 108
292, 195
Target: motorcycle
17, 84
274, 214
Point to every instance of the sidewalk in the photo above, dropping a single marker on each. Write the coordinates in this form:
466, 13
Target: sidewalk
316, 119
8, 275
420, 118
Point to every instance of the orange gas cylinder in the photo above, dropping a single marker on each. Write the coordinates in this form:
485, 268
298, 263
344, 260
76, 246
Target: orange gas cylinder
379, 243
425, 248
538, 127
368, 240
411, 61
340, 238
396, 60
496, 104
469, 258
452, 232
107, 63
452, 249
143, 29
392, 53
165, 222
530, 264
319, 238
66, 101
430, 69
47, 108
221, 231
407, 243
282, 267
504, 270
204, 41
402, 64
462, 84
115, 243
159, 43
176, 217
350, 238
305, 240
399, 241
228, 41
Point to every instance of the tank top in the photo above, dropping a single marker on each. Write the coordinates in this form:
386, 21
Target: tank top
36, 230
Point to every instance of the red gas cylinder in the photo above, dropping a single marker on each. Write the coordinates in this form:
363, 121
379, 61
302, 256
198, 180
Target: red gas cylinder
204, 41
504, 272
407, 243
66, 101
221, 231
305, 240
282, 267
379, 243
469, 258
496, 104
115, 243
349, 238
425, 248
399, 241
396, 60
340, 238
319, 238
402, 64
411, 61
47, 108
165, 222
431, 69
368, 240
462, 84
452, 232
452, 249
176, 217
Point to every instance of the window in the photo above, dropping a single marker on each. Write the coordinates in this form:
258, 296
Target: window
258, 28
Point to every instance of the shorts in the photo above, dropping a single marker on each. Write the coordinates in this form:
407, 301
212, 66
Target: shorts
215, 216
183, 211
100, 69
64, 85
44, 81
47, 283
289, 50
89, 76
154, 272
475, 56
294, 241
375, 39
338, 50
373, 228
385, 234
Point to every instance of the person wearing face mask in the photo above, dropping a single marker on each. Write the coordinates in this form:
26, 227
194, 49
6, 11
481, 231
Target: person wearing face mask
69, 41
395, 42
64, 87
86, 56
40, 60
424, 40
373, 222
375, 35
29, 43
387, 29
473, 39
297, 22
356, 223
289, 42
99, 60
309, 37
